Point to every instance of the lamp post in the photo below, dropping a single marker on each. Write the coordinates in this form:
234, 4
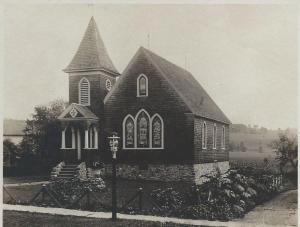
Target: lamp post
113, 143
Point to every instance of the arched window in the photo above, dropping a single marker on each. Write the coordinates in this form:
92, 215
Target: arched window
84, 92
223, 138
204, 135
142, 86
215, 137
143, 129
157, 131
128, 132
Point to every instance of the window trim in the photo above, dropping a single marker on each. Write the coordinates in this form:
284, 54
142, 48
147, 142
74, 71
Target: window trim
204, 135
215, 136
135, 131
138, 85
124, 131
223, 140
79, 92
162, 131
106, 82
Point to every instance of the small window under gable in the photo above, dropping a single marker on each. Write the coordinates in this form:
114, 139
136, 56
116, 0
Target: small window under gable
142, 86
84, 92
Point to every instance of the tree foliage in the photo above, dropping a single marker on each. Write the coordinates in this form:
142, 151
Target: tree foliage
42, 131
286, 148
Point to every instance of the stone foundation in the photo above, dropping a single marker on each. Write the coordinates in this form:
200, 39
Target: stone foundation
173, 172
155, 172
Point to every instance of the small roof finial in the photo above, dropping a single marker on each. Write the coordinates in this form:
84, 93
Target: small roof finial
148, 41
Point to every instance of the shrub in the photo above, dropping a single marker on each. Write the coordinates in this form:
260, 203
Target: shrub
68, 191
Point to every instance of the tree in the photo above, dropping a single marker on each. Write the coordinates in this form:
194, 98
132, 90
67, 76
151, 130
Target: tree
286, 148
42, 132
243, 148
10, 153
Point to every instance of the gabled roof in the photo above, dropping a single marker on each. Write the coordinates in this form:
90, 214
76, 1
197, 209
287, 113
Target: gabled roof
186, 86
81, 112
91, 54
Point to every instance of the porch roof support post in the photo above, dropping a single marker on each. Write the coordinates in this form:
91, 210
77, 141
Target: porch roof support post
96, 137
86, 138
78, 145
73, 138
63, 139
91, 138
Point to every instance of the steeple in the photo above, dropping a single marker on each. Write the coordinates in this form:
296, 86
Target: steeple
92, 54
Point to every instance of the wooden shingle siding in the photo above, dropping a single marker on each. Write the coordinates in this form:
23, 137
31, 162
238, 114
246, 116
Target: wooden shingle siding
162, 99
209, 154
97, 90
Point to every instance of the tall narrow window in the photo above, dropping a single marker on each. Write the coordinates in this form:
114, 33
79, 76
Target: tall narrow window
84, 92
204, 135
142, 86
143, 132
215, 136
157, 131
223, 138
128, 132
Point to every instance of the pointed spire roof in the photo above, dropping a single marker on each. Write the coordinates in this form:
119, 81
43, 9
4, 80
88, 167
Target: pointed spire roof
91, 54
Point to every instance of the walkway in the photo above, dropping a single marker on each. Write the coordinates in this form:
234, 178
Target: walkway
26, 184
282, 210
107, 215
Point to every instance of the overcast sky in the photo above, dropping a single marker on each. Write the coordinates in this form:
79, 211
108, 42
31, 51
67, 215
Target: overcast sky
245, 56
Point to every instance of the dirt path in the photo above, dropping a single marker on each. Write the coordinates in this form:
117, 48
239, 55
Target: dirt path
280, 211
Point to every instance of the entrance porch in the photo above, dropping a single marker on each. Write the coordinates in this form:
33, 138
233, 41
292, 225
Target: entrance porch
79, 134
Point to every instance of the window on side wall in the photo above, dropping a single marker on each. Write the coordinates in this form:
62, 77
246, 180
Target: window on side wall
204, 135
215, 137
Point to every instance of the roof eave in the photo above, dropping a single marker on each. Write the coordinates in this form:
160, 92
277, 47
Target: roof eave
115, 73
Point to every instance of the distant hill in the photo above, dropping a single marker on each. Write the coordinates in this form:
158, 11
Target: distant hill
254, 139
13, 127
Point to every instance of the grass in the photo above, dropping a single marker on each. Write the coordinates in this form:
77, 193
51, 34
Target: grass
25, 179
125, 190
17, 218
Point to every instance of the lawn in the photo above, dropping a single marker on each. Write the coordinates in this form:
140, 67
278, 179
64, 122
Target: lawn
16, 219
25, 179
125, 190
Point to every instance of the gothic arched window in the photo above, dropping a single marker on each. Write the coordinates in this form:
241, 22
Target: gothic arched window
157, 132
215, 137
84, 92
204, 135
128, 132
223, 138
142, 86
143, 126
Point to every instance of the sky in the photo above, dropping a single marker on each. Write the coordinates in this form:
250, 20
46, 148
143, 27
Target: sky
245, 56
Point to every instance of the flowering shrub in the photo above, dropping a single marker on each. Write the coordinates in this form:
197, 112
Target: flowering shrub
67, 191
222, 197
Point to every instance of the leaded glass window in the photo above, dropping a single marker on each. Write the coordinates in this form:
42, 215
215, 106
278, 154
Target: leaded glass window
157, 132
143, 130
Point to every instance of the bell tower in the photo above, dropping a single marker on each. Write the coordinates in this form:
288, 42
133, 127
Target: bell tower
91, 71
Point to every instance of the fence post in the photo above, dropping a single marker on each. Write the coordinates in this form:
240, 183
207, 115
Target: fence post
140, 198
88, 198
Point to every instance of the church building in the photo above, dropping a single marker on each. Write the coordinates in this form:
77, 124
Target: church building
170, 129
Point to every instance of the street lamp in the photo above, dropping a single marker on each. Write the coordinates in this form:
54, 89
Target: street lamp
114, 143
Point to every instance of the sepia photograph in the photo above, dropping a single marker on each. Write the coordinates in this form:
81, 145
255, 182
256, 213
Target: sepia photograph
149, 114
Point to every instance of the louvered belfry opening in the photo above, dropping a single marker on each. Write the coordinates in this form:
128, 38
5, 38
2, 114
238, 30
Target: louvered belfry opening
84, 92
